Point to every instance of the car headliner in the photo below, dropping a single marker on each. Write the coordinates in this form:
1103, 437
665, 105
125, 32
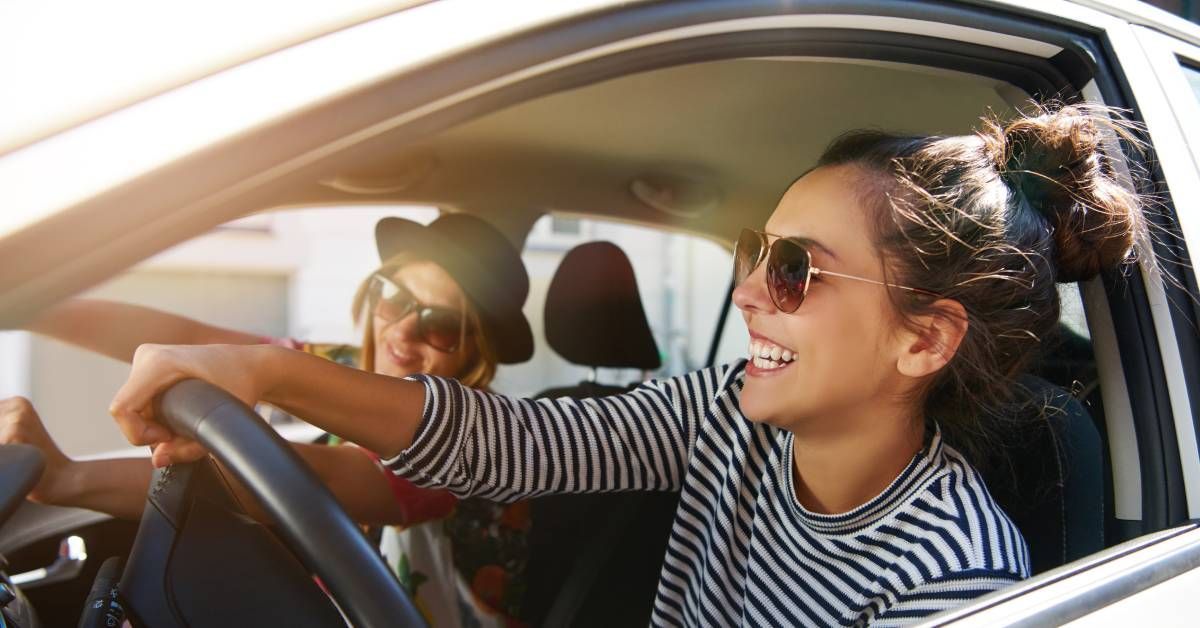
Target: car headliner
735, 132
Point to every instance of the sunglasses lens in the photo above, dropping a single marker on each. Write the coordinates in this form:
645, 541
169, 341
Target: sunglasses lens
746, 255
441, 328
392, 301
787, 274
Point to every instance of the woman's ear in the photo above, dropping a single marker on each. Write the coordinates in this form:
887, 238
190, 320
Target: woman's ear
933, 341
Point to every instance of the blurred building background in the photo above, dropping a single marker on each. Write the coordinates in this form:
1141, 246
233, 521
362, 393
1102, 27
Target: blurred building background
294, 273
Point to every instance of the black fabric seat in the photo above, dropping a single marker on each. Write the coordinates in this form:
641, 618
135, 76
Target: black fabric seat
1049, 475
594, 559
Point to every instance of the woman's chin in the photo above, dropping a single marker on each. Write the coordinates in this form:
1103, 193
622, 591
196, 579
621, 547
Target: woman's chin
758, 403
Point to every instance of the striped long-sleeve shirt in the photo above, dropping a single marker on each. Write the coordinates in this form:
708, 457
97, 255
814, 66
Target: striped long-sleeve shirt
742, 549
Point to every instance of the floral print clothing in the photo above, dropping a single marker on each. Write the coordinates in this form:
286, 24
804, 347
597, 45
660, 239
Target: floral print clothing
463, 561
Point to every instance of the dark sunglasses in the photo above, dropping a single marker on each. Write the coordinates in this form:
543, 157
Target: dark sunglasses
439, 327
789, 268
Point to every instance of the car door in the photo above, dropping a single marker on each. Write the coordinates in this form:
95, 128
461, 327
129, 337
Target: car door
1154, 63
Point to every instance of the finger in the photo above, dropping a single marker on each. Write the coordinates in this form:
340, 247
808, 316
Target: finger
178, 450
161, 457
136, 428
133, 405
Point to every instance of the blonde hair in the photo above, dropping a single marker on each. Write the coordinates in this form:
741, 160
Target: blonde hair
477, 373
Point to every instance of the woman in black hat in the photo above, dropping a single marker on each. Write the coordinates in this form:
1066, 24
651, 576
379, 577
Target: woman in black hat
445, 301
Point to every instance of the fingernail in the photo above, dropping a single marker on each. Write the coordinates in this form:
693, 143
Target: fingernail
154, 434
161, 461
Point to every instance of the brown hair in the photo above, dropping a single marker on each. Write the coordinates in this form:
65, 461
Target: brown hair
992, 221
478, 373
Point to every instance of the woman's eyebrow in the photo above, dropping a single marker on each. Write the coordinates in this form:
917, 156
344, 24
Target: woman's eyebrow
817, 244
808, 241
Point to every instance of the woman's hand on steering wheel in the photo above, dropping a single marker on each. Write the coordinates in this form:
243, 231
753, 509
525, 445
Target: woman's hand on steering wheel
235, 368
20, 423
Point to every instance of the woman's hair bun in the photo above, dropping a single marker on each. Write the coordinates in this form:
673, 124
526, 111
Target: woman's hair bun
1055, 159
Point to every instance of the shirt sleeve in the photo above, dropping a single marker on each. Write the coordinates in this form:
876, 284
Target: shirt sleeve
503, 449
934, 596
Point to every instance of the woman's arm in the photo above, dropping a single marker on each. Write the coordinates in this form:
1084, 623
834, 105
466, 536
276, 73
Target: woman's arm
378, 412
481, 444
116, 329
470, 442
117, 486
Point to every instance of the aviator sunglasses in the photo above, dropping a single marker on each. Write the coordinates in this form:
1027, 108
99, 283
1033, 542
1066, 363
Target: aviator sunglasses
439, 327
789, 268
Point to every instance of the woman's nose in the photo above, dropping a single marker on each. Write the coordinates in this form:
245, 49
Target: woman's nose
751, 295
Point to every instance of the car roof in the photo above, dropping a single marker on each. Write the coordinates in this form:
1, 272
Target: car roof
105, 56
632, 148
1148, 15
79, 60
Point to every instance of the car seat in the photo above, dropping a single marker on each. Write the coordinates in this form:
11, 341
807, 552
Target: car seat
594, 559
1048, 475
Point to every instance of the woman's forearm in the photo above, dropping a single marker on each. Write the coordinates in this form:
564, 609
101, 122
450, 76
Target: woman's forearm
350, 474
116, 329
378, 412
116, 486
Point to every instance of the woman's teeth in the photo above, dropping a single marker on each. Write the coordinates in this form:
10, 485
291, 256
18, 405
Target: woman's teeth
765, 355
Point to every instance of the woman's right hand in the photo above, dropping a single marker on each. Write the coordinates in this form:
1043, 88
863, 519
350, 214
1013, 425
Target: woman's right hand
20, 423
237, 369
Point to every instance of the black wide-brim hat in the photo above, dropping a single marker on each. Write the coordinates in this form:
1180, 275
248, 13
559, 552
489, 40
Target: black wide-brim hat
483, 262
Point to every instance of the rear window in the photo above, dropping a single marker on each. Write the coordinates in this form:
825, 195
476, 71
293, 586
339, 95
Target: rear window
682, 280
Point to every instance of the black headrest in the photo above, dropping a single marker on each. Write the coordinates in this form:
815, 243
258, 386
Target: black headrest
594, 315
1048, 475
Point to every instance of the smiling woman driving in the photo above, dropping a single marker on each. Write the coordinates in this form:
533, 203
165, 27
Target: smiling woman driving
895, 291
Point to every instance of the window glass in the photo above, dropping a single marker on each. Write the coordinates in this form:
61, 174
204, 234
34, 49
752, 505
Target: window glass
1193, 78
1071, 313
675, 279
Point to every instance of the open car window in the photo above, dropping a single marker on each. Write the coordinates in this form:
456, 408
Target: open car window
293, 274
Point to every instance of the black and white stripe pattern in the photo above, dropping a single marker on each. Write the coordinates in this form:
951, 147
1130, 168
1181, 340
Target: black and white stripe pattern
742, 550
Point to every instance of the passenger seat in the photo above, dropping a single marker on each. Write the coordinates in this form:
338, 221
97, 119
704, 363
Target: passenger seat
594, 559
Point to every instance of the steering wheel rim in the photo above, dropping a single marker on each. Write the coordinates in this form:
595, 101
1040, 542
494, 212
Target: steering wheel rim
308, 517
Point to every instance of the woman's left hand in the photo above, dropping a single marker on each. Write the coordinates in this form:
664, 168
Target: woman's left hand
235, 368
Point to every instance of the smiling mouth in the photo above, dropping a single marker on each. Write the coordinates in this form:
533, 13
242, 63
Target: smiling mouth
768, 356
400, 357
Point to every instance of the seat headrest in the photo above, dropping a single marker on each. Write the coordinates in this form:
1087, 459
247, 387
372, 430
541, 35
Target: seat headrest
594, 315
1047, 473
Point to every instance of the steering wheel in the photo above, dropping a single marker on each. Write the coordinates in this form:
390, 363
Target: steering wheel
199, 560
